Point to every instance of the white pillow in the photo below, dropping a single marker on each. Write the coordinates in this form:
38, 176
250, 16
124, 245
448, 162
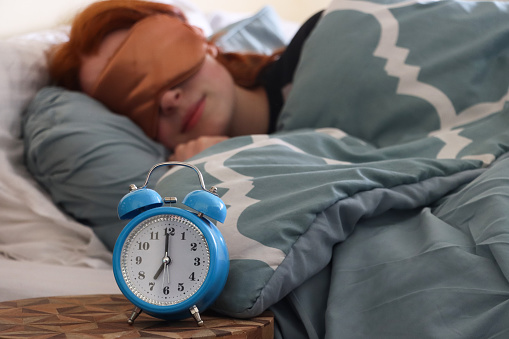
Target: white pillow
194, 15
31, 226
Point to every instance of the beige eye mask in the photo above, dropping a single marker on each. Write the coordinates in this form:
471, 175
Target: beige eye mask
159, 53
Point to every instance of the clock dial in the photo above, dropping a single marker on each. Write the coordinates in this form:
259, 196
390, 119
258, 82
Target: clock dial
165, 259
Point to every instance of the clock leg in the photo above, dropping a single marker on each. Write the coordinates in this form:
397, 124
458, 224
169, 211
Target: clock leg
134, 315
196, 315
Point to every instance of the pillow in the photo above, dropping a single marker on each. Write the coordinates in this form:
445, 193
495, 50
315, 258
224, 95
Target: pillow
260, 33
86, 157
194, 14
390, 72
28, 218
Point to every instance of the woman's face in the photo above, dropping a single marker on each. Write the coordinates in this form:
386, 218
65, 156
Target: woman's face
202, 105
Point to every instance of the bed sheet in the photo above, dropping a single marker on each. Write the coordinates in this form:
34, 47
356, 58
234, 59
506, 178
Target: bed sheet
23, 279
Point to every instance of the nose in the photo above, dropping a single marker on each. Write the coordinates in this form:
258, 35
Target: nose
170, 100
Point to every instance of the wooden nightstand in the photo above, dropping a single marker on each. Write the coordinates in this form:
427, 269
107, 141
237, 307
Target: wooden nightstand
105, 316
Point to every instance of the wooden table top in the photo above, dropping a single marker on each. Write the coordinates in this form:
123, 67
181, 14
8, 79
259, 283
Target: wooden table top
105, 316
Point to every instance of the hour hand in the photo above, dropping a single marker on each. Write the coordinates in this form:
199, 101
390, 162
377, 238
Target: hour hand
159, 271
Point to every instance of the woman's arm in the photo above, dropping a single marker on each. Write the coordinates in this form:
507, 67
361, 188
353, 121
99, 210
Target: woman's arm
187, 150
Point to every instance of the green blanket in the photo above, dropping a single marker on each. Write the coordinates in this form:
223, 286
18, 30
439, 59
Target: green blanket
379, 207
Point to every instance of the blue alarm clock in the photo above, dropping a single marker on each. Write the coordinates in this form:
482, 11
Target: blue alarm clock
170, 262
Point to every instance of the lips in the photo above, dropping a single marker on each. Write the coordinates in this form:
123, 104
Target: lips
193, 115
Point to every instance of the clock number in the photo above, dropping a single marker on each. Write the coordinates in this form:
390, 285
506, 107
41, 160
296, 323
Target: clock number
166, 290
191, 277
138, 260
180, 287
197, 261
170, 231
141, 275
183, 235
154, 235
194, 246
151, 285
143, 246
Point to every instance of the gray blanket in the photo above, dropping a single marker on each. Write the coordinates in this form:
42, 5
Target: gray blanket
379, 209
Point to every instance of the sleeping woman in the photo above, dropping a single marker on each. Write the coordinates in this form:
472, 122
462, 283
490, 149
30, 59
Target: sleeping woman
145, 61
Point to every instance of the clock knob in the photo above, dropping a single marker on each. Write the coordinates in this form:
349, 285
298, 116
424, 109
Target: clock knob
207, 203
138, 201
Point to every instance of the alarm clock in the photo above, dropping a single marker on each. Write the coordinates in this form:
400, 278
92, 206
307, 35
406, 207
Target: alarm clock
169, 262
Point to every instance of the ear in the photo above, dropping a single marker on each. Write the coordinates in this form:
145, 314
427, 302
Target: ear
212, 49
198, 31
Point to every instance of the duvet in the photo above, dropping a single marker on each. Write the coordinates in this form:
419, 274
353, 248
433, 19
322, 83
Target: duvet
379, 208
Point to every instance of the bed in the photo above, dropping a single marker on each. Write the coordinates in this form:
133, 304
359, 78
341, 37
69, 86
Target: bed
378, 209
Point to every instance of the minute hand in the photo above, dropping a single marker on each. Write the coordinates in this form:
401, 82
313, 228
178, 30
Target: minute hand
166, 258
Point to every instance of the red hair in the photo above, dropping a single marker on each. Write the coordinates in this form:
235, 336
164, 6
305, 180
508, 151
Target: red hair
92, 25
245, 67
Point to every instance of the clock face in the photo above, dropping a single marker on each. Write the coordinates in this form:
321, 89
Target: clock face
165, 259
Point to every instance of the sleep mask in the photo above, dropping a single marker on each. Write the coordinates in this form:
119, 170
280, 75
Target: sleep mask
159, 52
